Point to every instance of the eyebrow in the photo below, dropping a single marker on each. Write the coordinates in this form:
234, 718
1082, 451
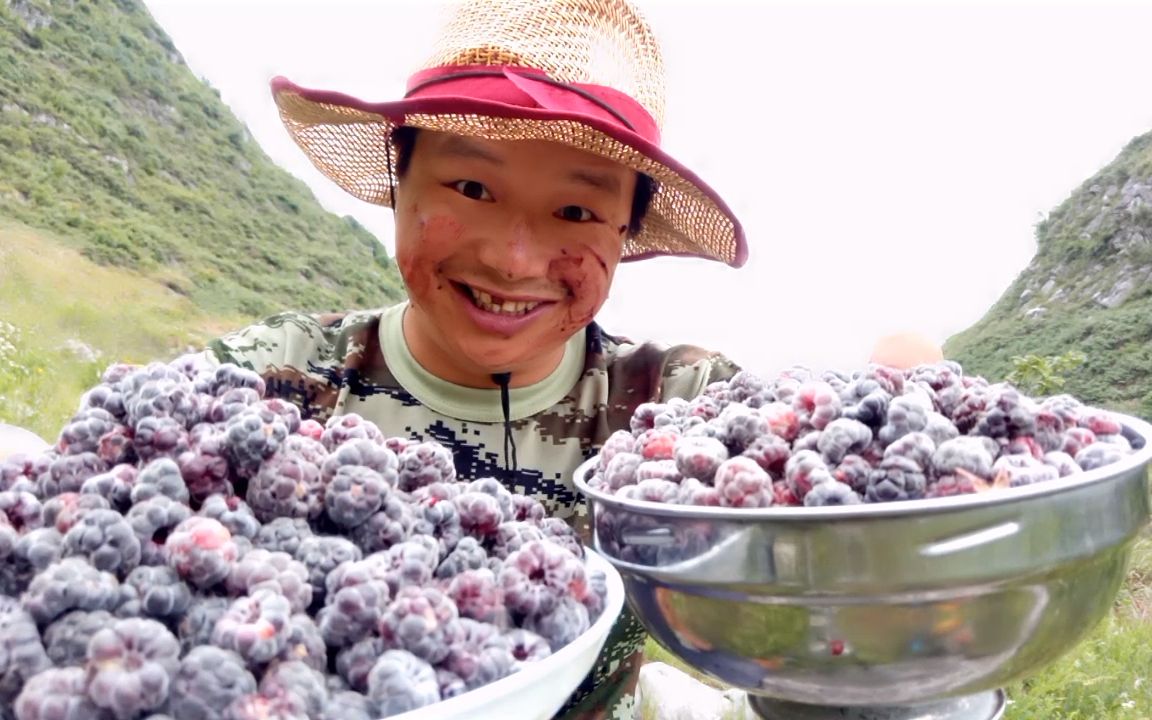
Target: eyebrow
462, 147
458, 146
606, 182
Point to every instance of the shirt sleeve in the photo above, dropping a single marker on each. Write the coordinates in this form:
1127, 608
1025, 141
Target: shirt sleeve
688, 370
295, 355
286, 340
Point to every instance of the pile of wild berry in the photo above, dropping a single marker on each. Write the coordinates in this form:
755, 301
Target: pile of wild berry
876, 435
190, 549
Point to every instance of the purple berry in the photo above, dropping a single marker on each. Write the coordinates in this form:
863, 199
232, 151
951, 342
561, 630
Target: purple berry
897, 478
58, 694
400, 682
208, 680
255, 626
826, 494
130, 666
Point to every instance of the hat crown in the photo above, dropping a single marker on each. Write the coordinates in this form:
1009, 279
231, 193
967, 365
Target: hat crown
599, 42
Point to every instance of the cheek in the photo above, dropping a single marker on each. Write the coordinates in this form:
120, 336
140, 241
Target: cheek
587, 276
427, 242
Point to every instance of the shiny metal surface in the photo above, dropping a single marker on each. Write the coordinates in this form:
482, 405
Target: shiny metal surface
886, 604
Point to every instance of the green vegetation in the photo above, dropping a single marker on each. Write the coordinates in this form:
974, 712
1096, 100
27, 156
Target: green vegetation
1095, 243
63, 319
108, 140
1044, 376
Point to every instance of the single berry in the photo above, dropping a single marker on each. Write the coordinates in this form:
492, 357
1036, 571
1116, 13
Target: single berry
286, 485
231, 512
66, 509
277, 571
201, 551
107, 540
321, 554
527, 646
255, 626
208, 680
283, 535
816, 404
70, 584
354, 493
657, 444
130, 666
114, 486
826, 494
231, 376
344, 428
159, 437
621, 441
536, 576
400, 682
58, 693
480, 654
897, 478
196, 626
1063, 462
66, 638
1098, 455
204, 466
423, 464
294, 678
158, 592
152, 520
477, 595
394, 523
805, 469
354, 662
562, 624
160, 477
253, 436
843, 437
22, 655
699, 457
418, 620
696, 492
82, 434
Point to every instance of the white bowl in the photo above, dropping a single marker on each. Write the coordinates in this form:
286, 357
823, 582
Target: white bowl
542, 688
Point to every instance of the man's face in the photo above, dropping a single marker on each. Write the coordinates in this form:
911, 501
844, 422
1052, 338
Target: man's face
507, 248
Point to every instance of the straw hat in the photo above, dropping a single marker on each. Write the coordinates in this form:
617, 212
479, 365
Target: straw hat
585, 73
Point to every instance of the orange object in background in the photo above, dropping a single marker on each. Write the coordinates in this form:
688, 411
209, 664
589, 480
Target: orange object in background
905, 350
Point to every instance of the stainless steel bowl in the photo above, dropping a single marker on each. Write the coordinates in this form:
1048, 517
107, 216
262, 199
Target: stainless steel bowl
881, 604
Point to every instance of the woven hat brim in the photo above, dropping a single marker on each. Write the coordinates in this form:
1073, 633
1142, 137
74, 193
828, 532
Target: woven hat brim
347, 140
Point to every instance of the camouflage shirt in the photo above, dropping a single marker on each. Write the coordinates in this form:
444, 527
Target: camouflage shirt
358, 362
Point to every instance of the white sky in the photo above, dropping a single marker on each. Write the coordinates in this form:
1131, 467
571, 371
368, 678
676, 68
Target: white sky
889, 160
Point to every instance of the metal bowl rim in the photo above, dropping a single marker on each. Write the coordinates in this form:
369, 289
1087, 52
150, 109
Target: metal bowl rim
894, 509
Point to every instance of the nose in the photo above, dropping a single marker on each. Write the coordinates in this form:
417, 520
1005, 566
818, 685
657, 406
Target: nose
516, 251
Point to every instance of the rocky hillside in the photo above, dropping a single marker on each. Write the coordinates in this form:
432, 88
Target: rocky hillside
109, 141
1088, 289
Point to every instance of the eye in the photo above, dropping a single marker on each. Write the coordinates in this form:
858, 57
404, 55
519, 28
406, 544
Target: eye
472, 189
575, 213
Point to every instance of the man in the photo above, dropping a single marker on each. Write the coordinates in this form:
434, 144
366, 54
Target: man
523, 165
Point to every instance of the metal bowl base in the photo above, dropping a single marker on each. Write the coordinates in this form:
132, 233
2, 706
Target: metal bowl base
981, 706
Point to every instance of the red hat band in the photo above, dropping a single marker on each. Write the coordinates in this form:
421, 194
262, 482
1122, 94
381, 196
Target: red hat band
528, 88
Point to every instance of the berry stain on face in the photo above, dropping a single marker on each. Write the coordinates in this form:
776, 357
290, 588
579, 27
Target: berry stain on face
419, 262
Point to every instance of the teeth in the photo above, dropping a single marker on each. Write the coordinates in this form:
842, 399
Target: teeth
508, 307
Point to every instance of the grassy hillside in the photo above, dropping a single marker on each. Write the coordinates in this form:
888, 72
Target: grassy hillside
108, 140
63, 319
1089, 288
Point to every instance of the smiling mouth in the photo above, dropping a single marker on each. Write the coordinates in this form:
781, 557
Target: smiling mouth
497, 305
